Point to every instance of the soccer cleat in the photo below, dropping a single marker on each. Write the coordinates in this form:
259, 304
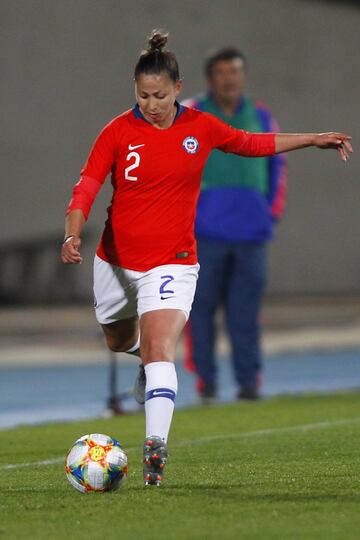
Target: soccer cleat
139, 386
155, 458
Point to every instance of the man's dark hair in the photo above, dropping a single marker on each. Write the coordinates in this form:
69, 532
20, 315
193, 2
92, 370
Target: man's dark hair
227, 53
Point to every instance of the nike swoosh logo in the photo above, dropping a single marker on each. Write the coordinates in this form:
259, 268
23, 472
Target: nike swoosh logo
131, 147
155, 393
166, 297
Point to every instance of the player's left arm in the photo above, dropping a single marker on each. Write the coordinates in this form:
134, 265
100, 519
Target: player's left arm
244, 143
285, 142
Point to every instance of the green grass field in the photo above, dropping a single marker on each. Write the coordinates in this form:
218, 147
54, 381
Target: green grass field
281, 468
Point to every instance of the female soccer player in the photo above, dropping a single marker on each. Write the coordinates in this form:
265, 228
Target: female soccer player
145, 268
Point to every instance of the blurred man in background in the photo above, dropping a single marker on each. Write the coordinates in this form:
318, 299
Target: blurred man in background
241, 199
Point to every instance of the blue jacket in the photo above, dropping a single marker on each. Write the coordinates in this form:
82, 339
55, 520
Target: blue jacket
240, 200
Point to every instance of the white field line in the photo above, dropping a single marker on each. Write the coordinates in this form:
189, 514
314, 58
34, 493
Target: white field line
211, 438
269, 431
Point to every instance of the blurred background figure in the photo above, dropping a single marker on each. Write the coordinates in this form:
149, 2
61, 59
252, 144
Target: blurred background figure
241, 199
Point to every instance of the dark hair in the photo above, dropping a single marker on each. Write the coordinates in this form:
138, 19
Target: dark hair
154, 60
227, 53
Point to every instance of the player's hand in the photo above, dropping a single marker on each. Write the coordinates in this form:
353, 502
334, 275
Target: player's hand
70, 253
337, 141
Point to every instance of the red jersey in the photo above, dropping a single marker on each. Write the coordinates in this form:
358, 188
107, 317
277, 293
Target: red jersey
156, 175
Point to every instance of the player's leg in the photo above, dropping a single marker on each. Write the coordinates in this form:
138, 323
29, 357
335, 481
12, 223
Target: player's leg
160, 332
165, 296
116, 311
122, 335
210, 290
243, 305
115, 307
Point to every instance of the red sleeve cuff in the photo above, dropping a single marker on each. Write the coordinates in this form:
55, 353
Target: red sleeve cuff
84, 194
260, 145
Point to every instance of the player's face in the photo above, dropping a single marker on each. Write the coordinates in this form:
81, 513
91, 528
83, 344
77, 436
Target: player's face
156, 96
227, 80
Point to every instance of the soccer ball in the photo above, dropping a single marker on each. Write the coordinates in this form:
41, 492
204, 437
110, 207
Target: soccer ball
96, 462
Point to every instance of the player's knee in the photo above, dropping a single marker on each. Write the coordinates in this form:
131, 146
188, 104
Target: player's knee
116, 344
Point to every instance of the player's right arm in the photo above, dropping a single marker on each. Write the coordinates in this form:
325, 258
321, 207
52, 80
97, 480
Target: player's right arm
70, 251
93, 175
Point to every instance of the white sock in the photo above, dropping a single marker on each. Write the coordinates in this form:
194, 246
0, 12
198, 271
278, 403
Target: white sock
135, 349
160, 393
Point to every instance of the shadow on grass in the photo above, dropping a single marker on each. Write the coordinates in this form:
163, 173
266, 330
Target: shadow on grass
233, 492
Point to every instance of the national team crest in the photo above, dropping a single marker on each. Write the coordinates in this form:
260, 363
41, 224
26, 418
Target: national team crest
191, 145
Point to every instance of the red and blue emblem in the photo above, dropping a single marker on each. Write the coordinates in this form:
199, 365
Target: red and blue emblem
191, 145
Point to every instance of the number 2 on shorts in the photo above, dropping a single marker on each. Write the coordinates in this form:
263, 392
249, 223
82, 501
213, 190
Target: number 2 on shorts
162, 289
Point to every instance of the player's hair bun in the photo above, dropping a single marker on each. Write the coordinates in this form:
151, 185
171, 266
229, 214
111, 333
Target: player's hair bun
154, 60
157, 41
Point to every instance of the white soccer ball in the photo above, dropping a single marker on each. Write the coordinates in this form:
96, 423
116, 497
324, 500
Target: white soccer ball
96, 462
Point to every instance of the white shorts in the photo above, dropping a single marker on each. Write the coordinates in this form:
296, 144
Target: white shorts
121, 294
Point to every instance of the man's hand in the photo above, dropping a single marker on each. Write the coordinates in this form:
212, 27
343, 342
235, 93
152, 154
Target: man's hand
70, 253
338, 141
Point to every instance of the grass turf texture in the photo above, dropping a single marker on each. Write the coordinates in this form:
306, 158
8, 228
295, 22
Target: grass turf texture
281, 468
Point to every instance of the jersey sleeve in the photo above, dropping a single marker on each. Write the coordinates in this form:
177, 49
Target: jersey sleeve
94, 172
237, 141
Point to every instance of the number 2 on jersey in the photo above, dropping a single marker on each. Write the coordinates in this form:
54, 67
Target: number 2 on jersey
133, 166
